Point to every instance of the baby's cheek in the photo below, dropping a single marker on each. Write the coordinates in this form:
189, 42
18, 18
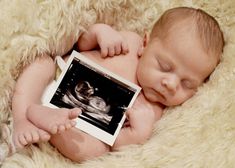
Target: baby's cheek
179, 99
187, 96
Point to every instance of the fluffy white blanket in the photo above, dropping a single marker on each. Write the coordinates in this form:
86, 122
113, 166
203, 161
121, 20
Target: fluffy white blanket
199, 133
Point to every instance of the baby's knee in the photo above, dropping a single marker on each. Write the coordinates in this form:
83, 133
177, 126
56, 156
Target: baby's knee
78, 146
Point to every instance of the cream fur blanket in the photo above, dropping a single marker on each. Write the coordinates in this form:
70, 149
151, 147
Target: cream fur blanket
199, 133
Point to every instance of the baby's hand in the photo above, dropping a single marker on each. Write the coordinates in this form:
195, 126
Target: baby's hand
140, 113
110, 41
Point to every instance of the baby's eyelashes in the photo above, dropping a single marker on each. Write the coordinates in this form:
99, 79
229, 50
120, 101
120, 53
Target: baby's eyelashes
188, 84
164, 66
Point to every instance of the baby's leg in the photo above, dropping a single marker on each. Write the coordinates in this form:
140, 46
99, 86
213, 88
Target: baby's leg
52, 120
78, 146
28, 90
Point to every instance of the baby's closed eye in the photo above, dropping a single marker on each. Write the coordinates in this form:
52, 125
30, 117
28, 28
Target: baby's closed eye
188, 84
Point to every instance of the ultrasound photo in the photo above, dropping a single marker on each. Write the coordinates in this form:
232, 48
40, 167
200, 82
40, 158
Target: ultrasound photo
102, 96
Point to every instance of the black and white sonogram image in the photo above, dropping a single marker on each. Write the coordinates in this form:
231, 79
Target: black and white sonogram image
102, 98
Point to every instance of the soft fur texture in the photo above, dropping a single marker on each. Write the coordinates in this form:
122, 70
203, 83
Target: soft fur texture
199, 133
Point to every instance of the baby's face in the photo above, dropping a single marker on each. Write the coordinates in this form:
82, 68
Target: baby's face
171, 70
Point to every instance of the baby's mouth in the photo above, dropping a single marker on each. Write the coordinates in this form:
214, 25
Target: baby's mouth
161, 95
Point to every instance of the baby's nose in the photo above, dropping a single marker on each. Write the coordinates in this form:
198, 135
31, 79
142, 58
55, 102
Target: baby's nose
171, 83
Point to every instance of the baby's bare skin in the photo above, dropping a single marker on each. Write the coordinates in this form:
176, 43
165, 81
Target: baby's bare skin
81, 145
84, 146
26, 133
26, 113
52, 120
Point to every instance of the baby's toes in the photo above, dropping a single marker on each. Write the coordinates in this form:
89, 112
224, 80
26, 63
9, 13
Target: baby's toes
35, 136
17, 142
74, 113
44, 136
54, 129
69, 124
28, 137
22, 140
61, 128
72, 123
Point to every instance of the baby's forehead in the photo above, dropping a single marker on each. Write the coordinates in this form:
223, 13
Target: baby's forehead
184, 27
188, 33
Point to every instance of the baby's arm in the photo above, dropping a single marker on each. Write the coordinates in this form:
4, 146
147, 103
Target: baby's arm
110, 41
141, 124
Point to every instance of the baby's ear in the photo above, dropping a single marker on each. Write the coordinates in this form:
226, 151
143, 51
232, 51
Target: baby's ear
146, 38
144, 44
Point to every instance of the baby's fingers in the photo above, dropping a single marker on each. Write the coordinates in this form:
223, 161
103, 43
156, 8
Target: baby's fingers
118, 49
104, 51
111, 52
124, 47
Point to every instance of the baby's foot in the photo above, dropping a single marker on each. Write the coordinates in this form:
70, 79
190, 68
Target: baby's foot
25, 133
52, 120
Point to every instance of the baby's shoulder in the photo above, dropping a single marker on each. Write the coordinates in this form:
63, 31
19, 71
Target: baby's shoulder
134, 42
133, 39
131, 36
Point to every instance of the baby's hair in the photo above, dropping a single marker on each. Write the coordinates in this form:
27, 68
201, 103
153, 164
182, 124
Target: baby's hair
206, 26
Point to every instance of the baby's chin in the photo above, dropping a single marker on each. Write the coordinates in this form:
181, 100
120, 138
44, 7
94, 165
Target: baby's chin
152, 97
170, 103
164, 101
